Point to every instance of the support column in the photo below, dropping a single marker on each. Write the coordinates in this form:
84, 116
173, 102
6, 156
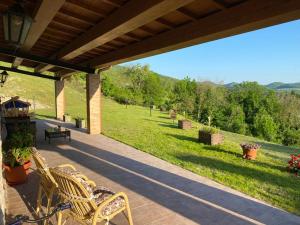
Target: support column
93, 101
60, 99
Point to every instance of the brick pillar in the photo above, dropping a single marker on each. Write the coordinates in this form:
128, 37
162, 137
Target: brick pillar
59, 99
93, 101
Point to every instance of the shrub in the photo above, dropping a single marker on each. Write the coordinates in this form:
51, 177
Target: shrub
265, 127
210, 130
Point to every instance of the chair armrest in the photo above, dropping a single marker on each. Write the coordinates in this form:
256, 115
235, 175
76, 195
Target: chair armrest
107, 201
67, 165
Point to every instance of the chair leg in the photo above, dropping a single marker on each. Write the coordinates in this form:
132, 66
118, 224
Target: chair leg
39, 200
59, 218
49, 202
129, 214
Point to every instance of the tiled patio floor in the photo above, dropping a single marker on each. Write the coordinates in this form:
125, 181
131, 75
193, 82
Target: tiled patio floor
159, 193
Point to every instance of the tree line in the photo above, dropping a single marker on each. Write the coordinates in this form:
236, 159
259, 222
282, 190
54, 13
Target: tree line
246, 108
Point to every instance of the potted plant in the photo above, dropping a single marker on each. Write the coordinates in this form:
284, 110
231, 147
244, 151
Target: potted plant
173, 115
210, 136
294, 164
184, 124
80, 122
16, 158
250, 150
67, 118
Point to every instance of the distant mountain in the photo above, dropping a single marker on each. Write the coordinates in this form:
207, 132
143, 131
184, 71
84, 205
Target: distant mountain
231, 85
277, 86
284, 86
274, 85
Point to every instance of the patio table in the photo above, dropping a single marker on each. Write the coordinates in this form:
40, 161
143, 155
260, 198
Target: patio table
57, 133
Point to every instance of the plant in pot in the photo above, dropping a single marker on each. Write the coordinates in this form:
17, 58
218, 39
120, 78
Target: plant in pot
250, 150
294, 164
16, 158
80, 122
67, 118
210, 136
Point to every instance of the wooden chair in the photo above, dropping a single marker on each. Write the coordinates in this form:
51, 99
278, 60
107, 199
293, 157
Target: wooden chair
90, 204
47, 185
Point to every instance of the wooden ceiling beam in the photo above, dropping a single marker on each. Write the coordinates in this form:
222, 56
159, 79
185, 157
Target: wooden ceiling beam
110, 2
219, 4
43, 16
187, 14
166, 23
248, 16
130, 16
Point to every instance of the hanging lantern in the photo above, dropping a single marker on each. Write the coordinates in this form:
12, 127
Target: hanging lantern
16, 24
3, 77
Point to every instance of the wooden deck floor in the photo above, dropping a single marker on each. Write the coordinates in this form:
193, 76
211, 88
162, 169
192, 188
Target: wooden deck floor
159, 193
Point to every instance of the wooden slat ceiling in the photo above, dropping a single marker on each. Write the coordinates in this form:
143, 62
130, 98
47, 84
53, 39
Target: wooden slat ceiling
99, 33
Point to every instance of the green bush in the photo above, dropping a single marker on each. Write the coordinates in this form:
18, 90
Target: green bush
265, 127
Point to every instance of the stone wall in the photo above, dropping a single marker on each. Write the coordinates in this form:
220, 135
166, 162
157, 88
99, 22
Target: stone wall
2, 195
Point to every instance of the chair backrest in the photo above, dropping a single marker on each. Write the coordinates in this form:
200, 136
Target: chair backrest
71, 189
47, 180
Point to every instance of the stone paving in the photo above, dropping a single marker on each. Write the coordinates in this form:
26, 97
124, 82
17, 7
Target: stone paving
159, 193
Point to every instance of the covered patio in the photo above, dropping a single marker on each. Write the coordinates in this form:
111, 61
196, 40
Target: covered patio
89, 36
159, 192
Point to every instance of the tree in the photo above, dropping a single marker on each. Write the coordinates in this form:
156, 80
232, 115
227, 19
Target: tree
184, 95
138, 75
152, 91
236, 121
264, 126
107, 86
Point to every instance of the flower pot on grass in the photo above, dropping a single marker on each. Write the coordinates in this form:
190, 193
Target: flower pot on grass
184, 124
210, 136
250, 151
80, 123
67, 118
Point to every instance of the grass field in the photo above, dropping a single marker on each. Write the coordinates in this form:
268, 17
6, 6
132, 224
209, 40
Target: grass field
266, 178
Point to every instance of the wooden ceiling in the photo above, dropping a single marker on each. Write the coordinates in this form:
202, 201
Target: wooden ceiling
100, 33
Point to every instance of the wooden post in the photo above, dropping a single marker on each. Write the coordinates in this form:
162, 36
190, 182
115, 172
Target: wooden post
93, 101
60, 99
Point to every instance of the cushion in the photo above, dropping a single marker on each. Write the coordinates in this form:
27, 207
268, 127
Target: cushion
99, 193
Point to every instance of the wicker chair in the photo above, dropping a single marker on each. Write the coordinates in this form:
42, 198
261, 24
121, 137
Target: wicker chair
90, 204
47, 185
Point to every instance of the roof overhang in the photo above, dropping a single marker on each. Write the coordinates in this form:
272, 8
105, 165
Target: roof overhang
75, 35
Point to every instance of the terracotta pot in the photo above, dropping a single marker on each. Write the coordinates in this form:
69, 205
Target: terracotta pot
249, 154
17, 175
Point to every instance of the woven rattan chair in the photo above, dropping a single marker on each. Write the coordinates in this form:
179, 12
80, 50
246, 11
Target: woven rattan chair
90, 204
47, 185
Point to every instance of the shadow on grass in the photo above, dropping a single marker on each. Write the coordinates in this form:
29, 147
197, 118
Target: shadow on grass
278, 148
219, 148
45, 116
184, 137
164, 117
251, 173
170, 125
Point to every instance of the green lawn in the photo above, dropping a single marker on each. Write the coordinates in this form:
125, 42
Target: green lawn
265, 178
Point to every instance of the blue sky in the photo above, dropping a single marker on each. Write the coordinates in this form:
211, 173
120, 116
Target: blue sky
266, 55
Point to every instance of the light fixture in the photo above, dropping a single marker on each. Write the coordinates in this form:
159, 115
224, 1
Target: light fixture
16, 24
3, 77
